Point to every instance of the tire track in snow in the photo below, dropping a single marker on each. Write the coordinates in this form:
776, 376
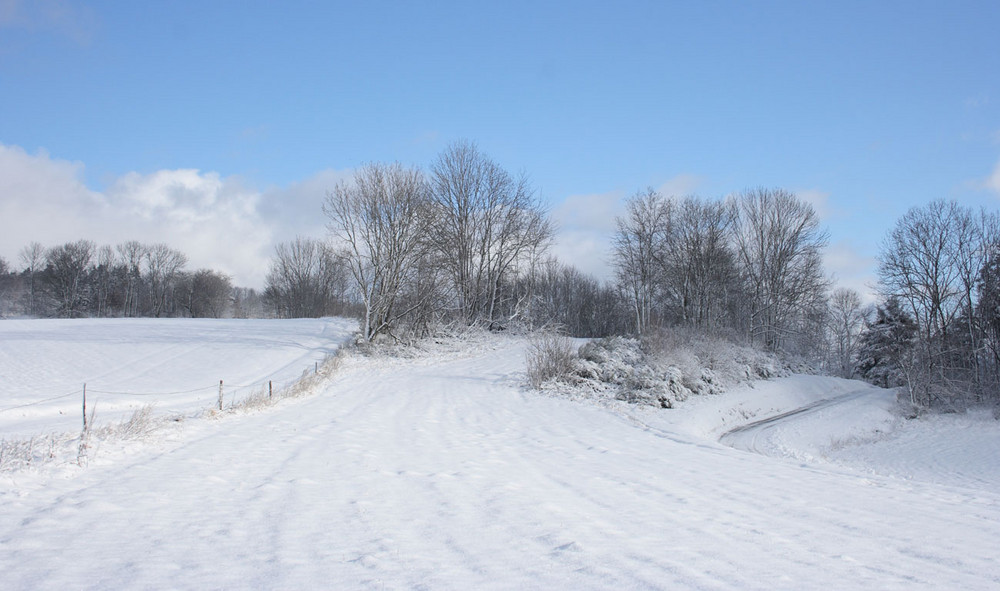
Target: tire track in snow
748, 437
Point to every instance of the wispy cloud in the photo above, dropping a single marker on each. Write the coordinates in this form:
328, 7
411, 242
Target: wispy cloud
820, 200
974, 102
584, 226
993, 181
681, 185
61, 17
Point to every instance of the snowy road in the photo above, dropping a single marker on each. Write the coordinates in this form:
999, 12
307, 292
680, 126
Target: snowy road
442, 474
754, 436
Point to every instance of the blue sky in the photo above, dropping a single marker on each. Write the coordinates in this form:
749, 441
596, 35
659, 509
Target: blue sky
217, 126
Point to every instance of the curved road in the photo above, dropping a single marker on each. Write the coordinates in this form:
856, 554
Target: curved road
749, 437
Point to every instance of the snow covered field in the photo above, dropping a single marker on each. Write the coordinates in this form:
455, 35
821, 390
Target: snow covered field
441, 472
173, 364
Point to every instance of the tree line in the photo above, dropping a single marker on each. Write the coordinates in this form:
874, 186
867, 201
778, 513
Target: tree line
936, 329
131, 279
748, 266
467, 242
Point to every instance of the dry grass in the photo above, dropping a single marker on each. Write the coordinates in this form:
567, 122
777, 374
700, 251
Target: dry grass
550, 356
262, 396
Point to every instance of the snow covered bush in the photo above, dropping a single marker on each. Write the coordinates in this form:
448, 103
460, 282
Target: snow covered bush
661, 369
550, 356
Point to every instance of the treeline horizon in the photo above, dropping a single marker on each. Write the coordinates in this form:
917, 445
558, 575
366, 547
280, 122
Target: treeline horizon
467, 243
131, 279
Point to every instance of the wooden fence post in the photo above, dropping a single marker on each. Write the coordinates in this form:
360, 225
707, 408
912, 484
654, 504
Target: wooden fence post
220, 394
85, 407
269, 390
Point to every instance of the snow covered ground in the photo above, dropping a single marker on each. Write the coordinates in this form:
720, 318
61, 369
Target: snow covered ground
176, 365
858, 427
441, 472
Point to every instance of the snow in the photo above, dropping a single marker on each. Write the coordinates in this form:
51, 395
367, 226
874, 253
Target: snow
859, 427
174, 364
443, 472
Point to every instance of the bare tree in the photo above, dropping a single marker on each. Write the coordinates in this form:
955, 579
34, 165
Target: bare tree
382, 219
779, 244
7, 288
162, 264
247, 303
847, 321
577, 303
639, 253
130, 255
305, 280
487, 223
701, 267
32, 259
210, 294
103, 279
919, 263
65, 271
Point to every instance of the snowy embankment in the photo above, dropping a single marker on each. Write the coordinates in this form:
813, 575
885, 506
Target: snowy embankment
849, 424
443, 472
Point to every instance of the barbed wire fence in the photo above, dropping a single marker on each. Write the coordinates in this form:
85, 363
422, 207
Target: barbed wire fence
18, 453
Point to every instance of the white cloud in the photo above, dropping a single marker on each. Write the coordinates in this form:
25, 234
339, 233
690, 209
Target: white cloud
851, 269
820, 200
993, 182
297, 209
584, 227
592, 212
216, 221
680, 186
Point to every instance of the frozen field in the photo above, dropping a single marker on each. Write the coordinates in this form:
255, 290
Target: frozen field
175, 364
442, 473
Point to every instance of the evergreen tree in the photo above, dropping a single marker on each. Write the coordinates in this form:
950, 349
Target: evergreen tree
885, 349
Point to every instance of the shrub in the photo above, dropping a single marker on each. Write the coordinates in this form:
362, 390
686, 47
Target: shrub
550, 356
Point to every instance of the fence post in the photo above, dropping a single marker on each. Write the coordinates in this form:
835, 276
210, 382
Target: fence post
316, 369
269, 390
220, 394
85, 407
